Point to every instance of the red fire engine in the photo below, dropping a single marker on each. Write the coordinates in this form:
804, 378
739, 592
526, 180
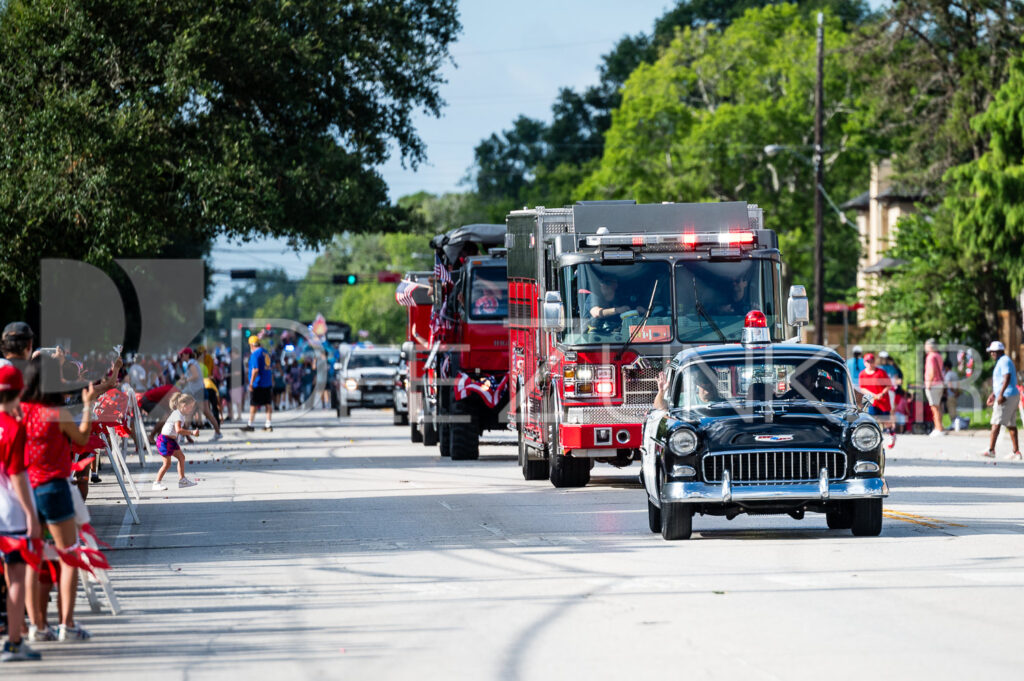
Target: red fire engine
602, 295
466, 372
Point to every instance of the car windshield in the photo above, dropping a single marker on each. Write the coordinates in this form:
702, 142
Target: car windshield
488, 293
712, 299
607, 303
373, 360
745, 380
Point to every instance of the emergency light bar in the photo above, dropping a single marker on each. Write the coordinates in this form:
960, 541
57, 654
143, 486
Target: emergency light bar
686, 240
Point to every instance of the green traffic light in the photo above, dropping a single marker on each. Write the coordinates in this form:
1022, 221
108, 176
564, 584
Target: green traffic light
352, 279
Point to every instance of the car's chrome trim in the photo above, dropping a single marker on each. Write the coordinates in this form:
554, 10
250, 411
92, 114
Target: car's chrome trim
700, 492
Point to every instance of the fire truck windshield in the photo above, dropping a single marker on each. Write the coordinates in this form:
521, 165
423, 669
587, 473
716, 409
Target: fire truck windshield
712, 298
606, 303
488, 293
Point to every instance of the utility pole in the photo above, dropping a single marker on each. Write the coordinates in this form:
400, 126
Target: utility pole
819, 177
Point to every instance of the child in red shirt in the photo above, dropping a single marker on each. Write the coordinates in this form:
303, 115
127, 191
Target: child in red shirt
876, 385
15, 525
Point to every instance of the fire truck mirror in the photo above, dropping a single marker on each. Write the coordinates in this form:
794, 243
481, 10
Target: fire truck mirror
553, 317
797, 313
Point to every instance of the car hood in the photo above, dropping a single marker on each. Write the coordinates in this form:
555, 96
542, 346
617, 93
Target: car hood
762, 427
374, 372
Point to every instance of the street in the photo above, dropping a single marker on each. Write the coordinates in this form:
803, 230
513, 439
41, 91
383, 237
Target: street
338, 549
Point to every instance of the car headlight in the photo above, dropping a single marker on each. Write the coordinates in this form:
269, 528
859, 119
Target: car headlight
683, 442
865, 437
351, 384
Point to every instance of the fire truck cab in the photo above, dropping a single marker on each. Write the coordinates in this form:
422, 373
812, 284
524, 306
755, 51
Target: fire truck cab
604, 294
466, 372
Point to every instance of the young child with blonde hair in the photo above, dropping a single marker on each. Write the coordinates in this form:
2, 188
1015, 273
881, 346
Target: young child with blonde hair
183, 406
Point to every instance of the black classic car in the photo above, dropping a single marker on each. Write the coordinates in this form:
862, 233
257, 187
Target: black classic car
768, 429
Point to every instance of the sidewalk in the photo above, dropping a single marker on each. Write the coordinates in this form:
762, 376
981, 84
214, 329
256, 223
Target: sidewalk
961, 445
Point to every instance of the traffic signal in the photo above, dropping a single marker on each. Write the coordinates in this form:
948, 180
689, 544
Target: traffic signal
346, 279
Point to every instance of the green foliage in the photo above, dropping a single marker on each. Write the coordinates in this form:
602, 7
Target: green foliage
432, 214
929, 68
693, 127
987, 195
126, 127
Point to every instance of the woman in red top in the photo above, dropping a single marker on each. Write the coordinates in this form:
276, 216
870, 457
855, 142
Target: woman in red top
50, 430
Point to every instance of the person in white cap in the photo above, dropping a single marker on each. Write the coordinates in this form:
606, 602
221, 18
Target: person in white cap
1003, 400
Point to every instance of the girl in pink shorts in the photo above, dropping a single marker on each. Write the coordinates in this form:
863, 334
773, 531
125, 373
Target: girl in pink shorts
183, 406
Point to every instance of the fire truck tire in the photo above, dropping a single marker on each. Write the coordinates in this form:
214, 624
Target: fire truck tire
533, 469
414, 433
463, 436
653, 516
565, 471
429, 429
676, 521
444, 438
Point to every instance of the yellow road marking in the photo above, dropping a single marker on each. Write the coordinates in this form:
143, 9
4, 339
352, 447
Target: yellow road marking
933, 523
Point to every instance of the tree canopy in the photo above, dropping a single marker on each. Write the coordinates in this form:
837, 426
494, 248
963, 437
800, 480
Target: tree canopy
128, 127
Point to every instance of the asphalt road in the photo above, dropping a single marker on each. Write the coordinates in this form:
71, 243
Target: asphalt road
338, 549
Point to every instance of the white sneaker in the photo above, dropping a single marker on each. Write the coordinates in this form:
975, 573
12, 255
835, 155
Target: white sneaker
936, 433
185, 482
159, 487
44, 634
75, 633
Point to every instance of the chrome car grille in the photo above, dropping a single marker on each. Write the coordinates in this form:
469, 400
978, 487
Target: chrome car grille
774, 466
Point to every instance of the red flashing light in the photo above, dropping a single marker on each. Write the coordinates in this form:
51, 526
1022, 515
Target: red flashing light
755, 319
689, 240
638, 241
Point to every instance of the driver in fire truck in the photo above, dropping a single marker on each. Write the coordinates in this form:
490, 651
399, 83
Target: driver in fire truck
606, 305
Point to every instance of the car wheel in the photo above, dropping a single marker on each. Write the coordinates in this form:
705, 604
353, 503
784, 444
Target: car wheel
463, 433
566, 471
676, 521
414, 433
841, 518
867, 517
653, 516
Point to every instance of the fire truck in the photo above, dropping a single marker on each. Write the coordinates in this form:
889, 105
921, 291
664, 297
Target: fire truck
414, 292
602, 295
465, 384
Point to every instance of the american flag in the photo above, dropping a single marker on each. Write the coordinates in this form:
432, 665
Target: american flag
440, 271
403, 294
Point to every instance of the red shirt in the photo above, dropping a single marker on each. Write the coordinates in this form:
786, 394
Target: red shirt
47, 449
12, 445
932, 370
877, 382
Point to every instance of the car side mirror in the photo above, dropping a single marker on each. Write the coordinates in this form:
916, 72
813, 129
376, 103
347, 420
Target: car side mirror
797, 313
552, 317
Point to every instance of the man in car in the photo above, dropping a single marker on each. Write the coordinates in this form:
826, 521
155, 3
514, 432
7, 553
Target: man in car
606, 303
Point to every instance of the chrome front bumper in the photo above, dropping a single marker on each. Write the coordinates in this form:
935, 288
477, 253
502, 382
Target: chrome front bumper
823, 490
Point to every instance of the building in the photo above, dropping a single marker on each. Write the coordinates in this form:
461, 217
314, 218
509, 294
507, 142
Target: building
878, 211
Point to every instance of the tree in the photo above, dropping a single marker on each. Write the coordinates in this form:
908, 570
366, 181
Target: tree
934, 66
693, 127
127, 126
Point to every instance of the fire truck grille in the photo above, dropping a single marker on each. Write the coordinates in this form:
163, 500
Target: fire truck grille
639, 386
774, 466
605, 415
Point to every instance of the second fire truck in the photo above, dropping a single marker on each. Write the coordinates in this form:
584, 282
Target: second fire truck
602, 294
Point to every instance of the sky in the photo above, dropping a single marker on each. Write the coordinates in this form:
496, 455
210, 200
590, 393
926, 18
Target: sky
510, 59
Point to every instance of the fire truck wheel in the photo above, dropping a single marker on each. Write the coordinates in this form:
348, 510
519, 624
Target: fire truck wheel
676, 521
414, 433
429, 431
569, 472
653, 516
444, 438
463, 435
